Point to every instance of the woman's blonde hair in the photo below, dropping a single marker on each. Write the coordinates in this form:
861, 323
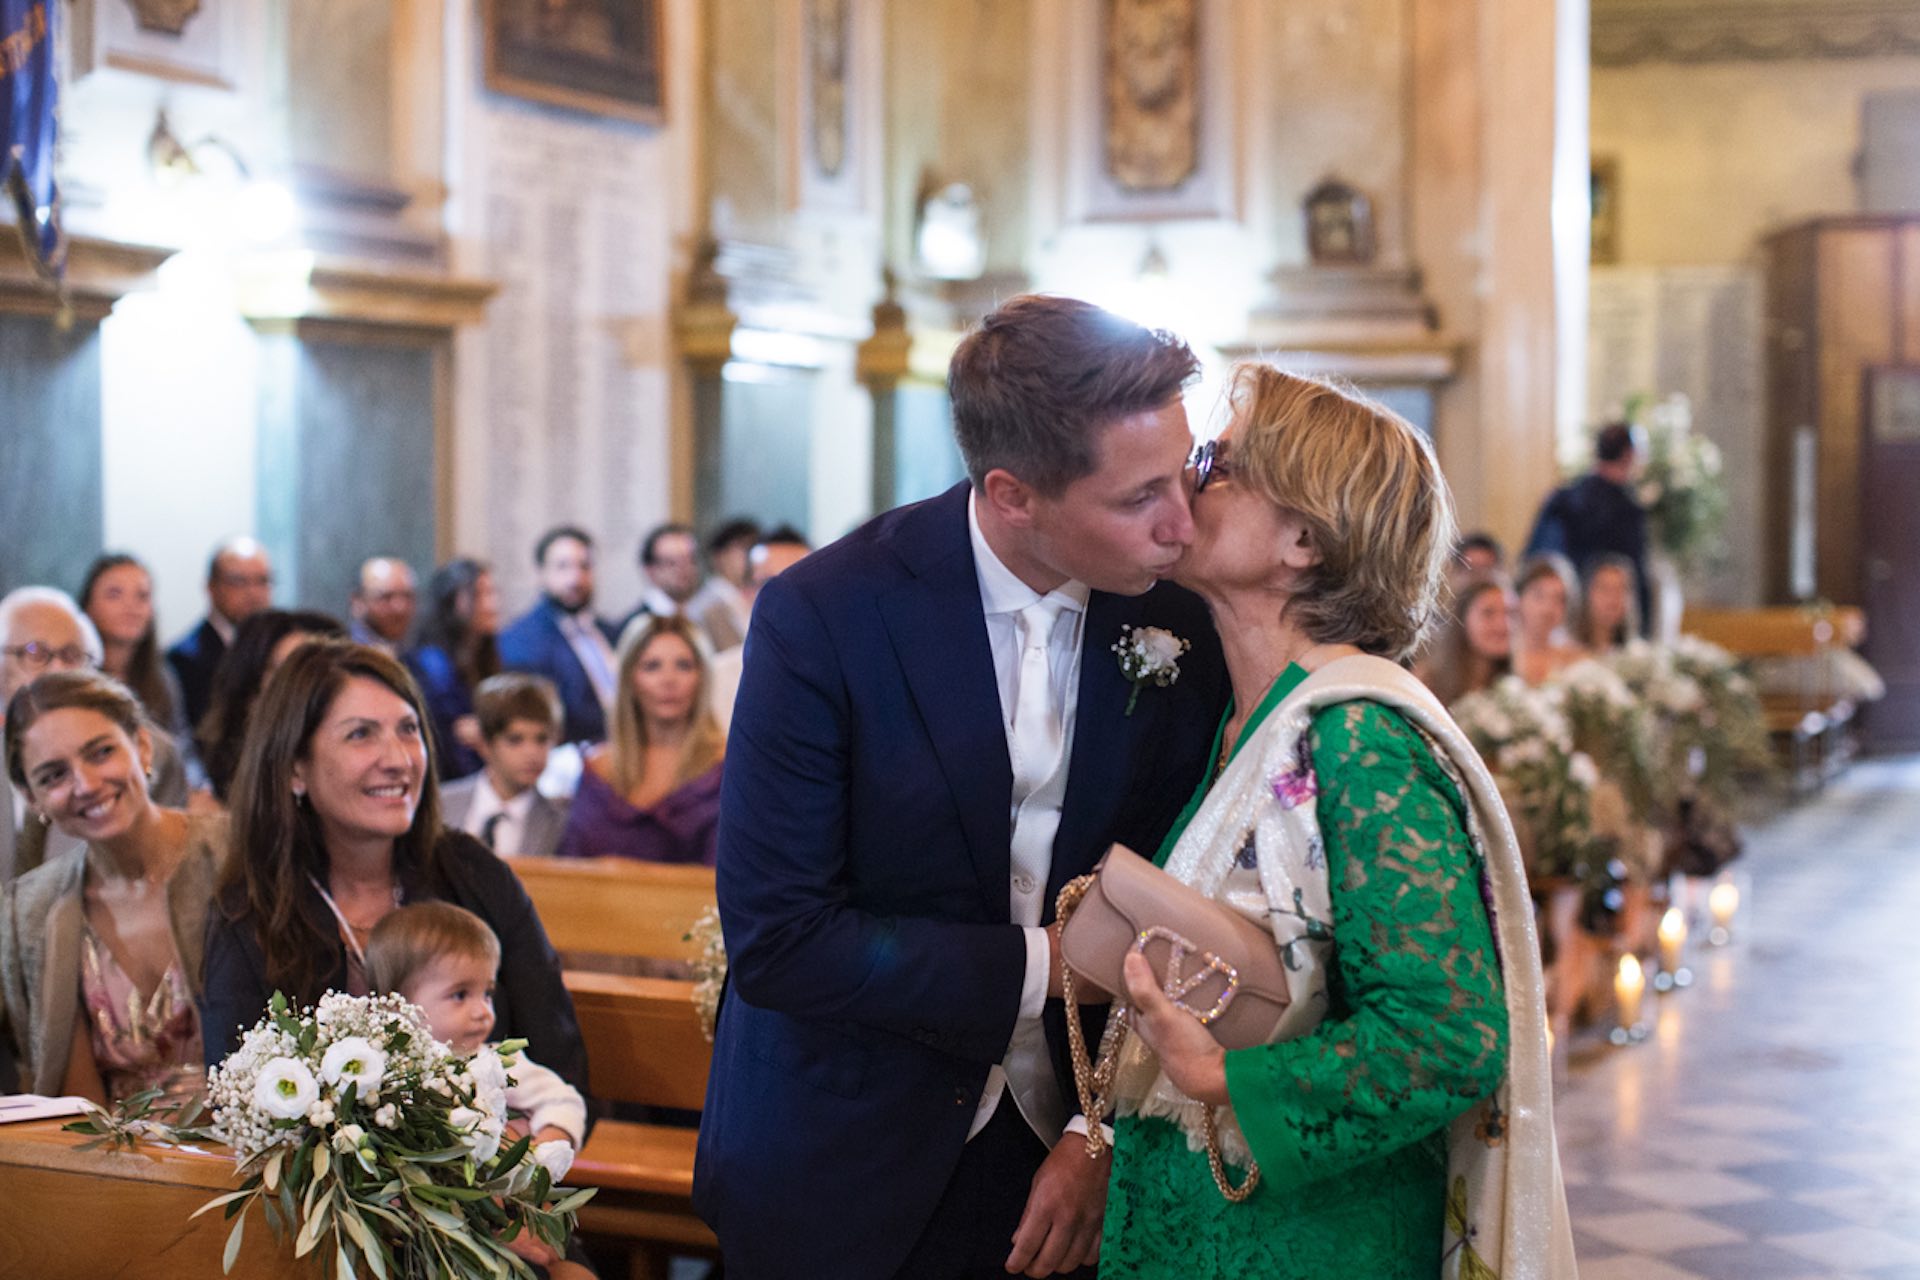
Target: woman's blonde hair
627, 745
1367, 485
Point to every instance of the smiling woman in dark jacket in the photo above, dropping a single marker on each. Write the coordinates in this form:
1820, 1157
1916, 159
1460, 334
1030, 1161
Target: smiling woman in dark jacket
336, 821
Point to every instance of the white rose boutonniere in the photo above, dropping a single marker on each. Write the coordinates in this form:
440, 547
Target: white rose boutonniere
1149, 655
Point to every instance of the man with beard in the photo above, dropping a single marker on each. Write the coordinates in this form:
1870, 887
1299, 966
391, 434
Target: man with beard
561, 637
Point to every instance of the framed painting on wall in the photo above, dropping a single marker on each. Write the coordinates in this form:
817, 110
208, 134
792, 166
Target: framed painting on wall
598, 56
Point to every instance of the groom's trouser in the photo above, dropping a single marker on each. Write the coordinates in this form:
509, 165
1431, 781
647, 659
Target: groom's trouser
971, 1232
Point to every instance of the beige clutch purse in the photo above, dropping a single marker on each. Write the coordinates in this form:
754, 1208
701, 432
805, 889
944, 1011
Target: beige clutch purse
1212, 961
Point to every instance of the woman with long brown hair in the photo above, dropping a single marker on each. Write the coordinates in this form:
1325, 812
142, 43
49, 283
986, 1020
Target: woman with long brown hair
1475, 645
117, 594
1610, 609
336, 822
1543, 641
653, 792
100, 948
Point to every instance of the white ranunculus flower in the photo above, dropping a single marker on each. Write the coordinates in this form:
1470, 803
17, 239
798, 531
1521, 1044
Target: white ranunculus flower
353, 1060
285, 1089
556, 1156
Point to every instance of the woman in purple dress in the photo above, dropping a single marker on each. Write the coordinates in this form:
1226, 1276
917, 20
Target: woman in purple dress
653, 791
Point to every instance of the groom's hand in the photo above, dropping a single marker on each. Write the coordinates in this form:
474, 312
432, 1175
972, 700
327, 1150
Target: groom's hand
1060, 1230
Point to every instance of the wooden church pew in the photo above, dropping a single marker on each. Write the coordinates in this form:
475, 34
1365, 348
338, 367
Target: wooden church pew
616, 906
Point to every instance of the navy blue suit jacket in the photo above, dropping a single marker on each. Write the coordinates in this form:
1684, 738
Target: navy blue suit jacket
194, 659
863, 881
535, 643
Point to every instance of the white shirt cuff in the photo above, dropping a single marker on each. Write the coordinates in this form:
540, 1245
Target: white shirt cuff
1079, 1125
1033, 992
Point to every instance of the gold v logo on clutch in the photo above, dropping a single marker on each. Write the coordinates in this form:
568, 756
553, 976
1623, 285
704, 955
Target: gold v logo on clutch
1177, 984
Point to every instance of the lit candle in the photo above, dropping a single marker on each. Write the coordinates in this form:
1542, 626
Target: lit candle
1722, 903
1628, 986
1673, 939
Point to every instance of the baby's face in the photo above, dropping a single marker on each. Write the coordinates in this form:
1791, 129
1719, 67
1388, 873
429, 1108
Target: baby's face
457, 994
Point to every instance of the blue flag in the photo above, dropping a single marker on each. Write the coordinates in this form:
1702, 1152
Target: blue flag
27, 127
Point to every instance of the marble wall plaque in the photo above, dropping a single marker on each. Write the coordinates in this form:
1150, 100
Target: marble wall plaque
1696, 330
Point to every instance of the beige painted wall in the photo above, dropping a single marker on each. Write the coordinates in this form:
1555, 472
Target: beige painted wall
1714, 157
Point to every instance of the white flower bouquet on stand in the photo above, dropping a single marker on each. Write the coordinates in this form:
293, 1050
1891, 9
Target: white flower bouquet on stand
364, 1138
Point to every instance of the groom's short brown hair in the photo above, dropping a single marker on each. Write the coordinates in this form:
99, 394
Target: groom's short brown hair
1037, 381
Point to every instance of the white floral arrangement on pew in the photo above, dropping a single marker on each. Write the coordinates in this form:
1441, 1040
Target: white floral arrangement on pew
1612, 725
1528, 745
1732, 736
368, 1140
1708, 723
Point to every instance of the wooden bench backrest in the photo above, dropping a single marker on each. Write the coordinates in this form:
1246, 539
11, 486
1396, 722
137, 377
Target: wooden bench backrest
644, 1042
617, 907
1762, 633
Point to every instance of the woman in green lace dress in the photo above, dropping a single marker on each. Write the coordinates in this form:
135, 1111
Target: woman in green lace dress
1321, 529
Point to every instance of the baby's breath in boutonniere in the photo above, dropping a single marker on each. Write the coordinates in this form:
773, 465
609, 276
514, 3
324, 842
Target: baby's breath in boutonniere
1149, 655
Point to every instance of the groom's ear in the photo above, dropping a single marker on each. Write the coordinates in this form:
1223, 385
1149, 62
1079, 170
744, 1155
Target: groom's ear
1011, 498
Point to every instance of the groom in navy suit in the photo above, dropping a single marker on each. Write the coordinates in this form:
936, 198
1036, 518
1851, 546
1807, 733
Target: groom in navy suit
932, 736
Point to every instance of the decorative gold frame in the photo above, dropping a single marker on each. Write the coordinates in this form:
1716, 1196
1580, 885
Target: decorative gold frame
527, 70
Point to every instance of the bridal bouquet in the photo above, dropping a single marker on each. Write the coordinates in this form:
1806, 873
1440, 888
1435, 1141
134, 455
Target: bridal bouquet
367, 1139
1528, 744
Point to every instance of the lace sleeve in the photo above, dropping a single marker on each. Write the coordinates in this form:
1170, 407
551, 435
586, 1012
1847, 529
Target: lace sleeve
1417, 1027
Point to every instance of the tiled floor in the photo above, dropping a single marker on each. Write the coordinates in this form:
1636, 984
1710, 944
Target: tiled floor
1770, 1125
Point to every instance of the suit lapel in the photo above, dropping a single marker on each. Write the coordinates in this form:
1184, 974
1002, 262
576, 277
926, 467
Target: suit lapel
939, 634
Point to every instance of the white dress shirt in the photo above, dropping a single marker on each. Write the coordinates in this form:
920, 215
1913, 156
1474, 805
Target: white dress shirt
510, 833
1027, 1070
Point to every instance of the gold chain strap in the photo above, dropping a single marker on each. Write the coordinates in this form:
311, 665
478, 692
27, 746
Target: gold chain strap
1234, 1195
1095, 1081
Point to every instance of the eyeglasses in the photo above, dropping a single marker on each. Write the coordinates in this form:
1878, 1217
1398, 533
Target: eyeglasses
1209, 463
35, 656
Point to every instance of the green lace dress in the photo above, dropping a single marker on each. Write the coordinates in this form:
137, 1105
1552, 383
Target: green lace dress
1349, 1123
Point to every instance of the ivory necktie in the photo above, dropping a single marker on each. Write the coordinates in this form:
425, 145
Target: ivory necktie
590, 648
1036, 715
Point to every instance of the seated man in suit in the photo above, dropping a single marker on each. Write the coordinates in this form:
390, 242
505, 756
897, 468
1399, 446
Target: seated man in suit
670, 562
519, 717
42, 630
239, 585
562, 639
383, 605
